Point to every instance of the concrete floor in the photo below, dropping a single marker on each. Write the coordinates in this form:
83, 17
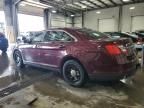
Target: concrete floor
53, 92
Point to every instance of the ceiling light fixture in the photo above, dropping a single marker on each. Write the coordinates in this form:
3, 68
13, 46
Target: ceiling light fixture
72, 15
22, 4
98, 12
125, 0
58, 0
54, 11
83, 7
131, 8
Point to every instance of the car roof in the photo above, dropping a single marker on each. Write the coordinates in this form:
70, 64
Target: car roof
65, 28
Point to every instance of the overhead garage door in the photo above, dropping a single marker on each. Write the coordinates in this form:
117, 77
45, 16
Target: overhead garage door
137, 23
30, 23
60, 21
78, 22
106, 25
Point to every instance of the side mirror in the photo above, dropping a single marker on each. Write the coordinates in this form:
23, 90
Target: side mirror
26, 40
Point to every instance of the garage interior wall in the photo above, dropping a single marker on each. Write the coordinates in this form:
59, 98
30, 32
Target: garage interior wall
91, 19
128, 16
1, 6
94, 21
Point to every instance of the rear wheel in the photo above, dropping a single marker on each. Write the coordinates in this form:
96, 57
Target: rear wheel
74, 74
18, 59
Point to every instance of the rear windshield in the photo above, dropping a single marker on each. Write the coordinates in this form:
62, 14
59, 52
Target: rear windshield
130, 35
142, 32
91, 34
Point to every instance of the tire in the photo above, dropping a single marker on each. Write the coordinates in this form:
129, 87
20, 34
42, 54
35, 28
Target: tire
18, 59
74, 74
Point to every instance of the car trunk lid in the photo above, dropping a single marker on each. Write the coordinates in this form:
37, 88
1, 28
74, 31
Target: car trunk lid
122, 49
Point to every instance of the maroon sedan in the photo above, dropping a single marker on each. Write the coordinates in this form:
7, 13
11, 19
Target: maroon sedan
78, 54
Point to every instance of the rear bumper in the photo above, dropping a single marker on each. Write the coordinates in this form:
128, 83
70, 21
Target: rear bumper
122, 72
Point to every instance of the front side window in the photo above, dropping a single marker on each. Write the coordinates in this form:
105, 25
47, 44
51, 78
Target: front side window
57, 36
38, 37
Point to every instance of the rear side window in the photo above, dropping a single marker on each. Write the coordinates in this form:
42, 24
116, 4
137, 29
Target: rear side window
57, 36
91, 34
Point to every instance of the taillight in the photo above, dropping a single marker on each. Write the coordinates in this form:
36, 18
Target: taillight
123, 49
139, 41
113, 49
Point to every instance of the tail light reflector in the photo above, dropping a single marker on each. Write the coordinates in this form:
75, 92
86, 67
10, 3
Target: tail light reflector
113, 49
123, 49
139, 41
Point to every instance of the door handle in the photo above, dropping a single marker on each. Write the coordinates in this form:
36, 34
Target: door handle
62, 46
38, 46
34, 46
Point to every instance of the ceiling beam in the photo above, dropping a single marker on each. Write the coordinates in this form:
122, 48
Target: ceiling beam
103, 3
122, 1
16, 2
86, 5
64, 1
133, 1
116, 6
72, 1
94, 3
65, 7
114, 3
58, 6
77, 5
71, 8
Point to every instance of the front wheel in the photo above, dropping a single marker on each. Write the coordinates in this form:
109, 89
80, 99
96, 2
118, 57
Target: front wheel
18, 59
73, 73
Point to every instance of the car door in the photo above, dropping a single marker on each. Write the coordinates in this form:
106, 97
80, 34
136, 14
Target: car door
54, 47
31, 52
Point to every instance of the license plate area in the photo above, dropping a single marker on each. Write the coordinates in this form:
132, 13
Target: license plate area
131, 55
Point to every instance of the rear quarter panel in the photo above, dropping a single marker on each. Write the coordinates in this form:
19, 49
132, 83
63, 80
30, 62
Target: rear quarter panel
93, 57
